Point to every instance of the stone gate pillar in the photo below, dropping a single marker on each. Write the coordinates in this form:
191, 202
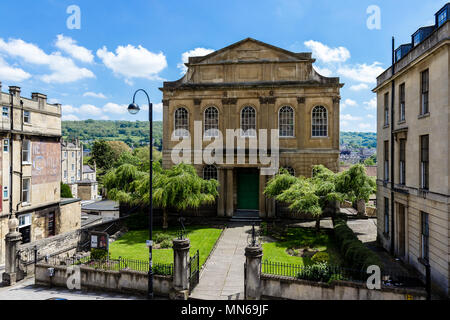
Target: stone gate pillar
180, 290
252, 283
12, 240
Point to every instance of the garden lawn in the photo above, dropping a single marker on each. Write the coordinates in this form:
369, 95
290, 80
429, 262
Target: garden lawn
132, 244
301, 238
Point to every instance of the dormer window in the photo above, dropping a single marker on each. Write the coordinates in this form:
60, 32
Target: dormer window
442, 17
417, 38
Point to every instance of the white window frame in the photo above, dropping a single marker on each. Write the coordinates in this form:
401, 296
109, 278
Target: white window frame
24, 220
211, 132
251, 133
5, 114
5, 145
27, 199
312, 122
27, 151
26, 115
181, 131
293, 121
5, 192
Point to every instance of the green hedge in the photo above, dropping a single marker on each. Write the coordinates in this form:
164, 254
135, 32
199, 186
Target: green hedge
355, 253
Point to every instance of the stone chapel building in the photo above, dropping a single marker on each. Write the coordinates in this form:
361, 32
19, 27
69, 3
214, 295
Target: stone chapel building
251, 85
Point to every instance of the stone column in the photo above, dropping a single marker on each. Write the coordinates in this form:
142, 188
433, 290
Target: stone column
12, 240
253, 272
262, 197
180, 290
230, 204
222, 192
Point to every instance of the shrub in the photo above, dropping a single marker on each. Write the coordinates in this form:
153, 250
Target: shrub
320, 257
160, 237
316, 272
165, 244
98, 254
65, 191
355, 253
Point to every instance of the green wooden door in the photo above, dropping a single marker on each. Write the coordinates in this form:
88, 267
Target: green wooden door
248, 191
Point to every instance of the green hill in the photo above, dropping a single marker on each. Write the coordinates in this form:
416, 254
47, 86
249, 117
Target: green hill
136, 133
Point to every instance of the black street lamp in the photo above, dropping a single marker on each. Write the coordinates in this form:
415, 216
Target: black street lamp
133, 108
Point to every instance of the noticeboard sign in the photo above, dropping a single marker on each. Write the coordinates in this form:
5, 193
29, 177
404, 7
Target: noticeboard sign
99, 240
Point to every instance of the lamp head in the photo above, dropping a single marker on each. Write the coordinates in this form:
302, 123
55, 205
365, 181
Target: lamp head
133, 108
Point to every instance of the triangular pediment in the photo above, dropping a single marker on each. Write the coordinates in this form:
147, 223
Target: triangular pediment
249, 50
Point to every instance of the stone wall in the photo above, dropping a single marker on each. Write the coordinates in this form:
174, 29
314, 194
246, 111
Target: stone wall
62, 245
69, 217
123, 281
277, 287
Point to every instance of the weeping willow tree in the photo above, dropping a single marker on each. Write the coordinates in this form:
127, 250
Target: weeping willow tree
305, 195
179, 187
356, 185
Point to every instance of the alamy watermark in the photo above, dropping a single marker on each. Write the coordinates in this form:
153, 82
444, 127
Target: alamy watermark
213, 153
374, 20
74, 20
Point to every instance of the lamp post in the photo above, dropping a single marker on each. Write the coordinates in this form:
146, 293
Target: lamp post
133, 109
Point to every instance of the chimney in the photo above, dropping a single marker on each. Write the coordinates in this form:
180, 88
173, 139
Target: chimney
15, 91
40, 98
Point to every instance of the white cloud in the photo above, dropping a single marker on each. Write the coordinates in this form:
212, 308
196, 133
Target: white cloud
348, 103
70, 117
362, 72
366, 127
67, 108
370, 116
90, 109
111, 107
326, 54
197, 52
371, 104
349, 117
10, 73
94, 95
131, 62
359, 87
68, 45
323, 71
63, 69
157, 107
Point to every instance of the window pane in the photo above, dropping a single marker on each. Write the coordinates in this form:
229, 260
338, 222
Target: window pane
248, 121
211, 122
181, 123
319, 122
286, 121
209, 172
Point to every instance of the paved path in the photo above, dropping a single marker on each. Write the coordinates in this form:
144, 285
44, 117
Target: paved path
26, 290
223, 275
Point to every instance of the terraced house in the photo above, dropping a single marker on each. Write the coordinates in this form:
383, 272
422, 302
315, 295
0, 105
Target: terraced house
30, 169
251, 85
414, 153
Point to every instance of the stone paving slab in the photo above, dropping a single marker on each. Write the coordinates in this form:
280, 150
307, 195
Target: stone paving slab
223, 275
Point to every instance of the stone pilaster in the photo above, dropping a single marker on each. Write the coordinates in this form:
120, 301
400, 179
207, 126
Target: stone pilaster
229, 201
252, 284
180, 290
12, 240
222, 192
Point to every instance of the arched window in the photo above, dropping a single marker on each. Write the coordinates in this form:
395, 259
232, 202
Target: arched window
319, 122
290, 170
248, 121
181, 122
286, 121
209, 172
211, 119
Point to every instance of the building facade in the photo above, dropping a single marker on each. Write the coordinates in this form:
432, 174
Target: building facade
413, 152
82, 179
30, 168
251, 85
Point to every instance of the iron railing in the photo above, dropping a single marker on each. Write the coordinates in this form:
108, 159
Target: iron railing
325, 273
114, 264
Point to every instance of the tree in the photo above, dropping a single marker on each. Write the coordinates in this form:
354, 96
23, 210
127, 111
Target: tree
356, 185
179, 187
102, 154
65, 191
305, 195
118, 147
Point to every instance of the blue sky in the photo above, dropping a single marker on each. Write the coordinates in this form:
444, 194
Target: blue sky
125, 45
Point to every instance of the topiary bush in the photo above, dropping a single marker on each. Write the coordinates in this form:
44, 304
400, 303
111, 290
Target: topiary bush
355, 253
166, 244
160, 237
320, 257
316, 272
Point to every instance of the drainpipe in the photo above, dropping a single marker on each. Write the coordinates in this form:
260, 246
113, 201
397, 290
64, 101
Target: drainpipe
392, 251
